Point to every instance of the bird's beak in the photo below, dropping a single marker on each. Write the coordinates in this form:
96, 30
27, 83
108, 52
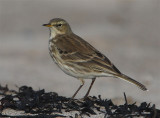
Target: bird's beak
47, 25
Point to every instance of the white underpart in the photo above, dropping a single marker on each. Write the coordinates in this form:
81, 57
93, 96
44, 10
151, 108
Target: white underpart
53, 32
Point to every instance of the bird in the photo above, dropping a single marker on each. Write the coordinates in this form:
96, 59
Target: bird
79, 59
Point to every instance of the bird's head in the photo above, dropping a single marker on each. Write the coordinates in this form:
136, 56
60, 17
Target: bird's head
58, 26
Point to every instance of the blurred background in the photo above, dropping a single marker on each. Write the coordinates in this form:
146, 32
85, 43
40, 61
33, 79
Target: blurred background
126, 31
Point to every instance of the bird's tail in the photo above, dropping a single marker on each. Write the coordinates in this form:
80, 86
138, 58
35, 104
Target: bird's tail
132, 81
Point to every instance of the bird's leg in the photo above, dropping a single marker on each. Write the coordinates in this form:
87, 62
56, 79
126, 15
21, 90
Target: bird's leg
82, 83
93, 80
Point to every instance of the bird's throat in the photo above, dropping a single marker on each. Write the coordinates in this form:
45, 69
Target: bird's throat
52, 34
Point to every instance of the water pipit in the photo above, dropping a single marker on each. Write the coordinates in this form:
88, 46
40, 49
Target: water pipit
78, 58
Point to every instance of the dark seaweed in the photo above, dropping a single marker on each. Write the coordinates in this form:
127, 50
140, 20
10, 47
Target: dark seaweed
43, 103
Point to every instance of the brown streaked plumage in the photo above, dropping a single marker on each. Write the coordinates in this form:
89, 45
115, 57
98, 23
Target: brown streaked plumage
78, 58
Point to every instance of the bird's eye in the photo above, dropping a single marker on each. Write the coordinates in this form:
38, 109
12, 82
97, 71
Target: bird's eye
58, 25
